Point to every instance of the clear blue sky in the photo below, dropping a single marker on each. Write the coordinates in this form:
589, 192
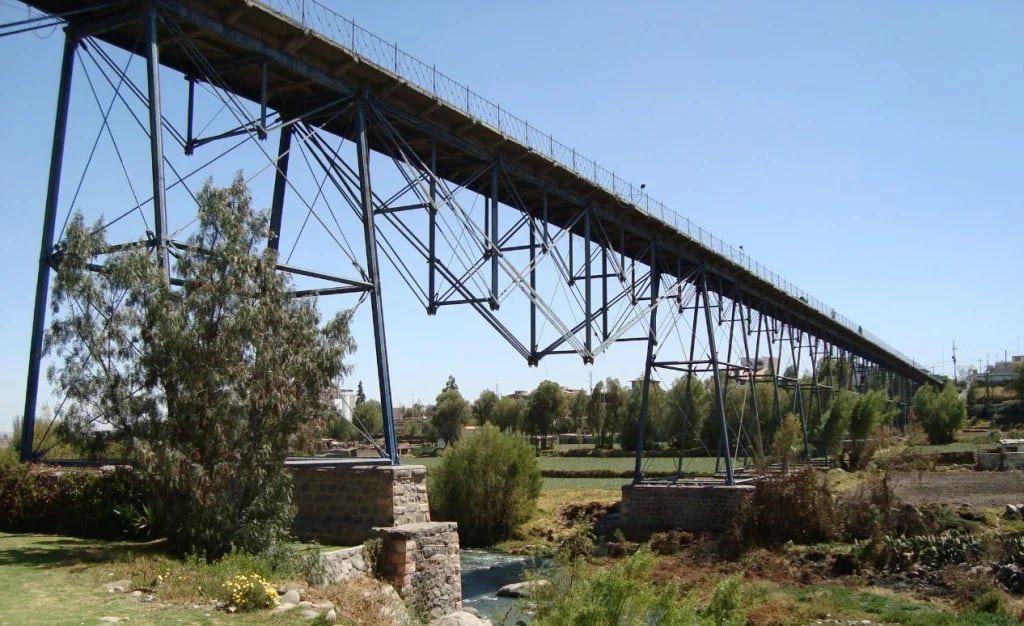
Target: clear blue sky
872, 153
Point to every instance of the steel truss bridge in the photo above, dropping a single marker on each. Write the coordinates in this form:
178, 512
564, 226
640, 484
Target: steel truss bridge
470, 206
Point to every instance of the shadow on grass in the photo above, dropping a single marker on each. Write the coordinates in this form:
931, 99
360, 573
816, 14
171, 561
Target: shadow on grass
58, 551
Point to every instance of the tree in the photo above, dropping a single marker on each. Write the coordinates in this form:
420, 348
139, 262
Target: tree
509, 414
837, 423
596, 413
616, 403
578, 410
450, 384
654, 427
546, 404
788, 439
485, 407
488, 482
360, 394
941, 413
687, 407
451, 413
369, 417
206, 385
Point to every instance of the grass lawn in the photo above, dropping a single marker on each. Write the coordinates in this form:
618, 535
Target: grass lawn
584, 464
50, 579
786, 604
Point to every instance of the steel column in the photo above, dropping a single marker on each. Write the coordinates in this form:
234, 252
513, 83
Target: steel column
284, 148
156, 140
493, 236
373, 270
587, 289
730, 479
652, 339
35, 355
432, 234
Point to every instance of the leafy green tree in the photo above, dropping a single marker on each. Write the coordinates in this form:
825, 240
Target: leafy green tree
870, 412
207, 385
451, 413
485, 407
687, 408
578, 410
369, 417
837, 423
341, 429
488, 482
616, 405
654, 427
360, 394
595, 415
787, 441
510, 414
547, 403
941, 413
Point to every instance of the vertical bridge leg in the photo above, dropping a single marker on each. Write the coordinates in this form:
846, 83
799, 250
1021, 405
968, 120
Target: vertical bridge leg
46, 248
156, 140
373, 269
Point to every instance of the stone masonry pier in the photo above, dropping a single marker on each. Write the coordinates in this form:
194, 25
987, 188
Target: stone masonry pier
339, 502
691, 506
348, 502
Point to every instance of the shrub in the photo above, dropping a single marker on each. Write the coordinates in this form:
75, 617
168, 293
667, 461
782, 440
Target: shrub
941, 413
867, 514
798, 507
488, 482
249, 592
621, 594
82, 503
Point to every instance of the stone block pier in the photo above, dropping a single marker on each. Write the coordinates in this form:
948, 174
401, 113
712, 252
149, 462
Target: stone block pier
350, 501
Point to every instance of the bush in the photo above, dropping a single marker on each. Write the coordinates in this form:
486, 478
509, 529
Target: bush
867, 514
249, 592
941, 414
488, 482
81, 503
798, 507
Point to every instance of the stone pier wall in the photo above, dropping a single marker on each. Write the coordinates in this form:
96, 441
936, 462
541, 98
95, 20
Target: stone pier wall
340, 503
686, 506
422, 562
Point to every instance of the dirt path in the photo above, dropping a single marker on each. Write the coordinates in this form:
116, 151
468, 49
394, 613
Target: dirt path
978, 489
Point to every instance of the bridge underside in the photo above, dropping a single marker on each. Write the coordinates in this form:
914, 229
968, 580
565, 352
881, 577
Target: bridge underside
459, 211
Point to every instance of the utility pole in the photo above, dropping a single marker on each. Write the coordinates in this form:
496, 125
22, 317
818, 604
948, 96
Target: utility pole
954, 361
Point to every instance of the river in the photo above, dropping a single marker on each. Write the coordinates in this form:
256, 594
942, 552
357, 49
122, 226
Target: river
486, 571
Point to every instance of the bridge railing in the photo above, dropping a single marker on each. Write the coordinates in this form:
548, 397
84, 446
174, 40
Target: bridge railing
390, 58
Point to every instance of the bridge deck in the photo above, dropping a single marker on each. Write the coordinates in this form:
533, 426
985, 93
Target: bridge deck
305, 69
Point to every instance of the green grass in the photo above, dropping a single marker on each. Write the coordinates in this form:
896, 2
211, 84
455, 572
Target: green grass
613, 484
51, 579
583, 464
815, 602
956, 446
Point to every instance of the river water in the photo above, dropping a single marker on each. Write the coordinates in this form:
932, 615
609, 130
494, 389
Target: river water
483, 573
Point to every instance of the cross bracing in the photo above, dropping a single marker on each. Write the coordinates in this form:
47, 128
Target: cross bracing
477, 210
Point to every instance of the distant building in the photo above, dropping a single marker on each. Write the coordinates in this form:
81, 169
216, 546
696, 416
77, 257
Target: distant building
1002, 372
345, 401
753, 369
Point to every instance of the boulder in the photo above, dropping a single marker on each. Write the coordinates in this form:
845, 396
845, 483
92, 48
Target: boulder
460, 618
521, 590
